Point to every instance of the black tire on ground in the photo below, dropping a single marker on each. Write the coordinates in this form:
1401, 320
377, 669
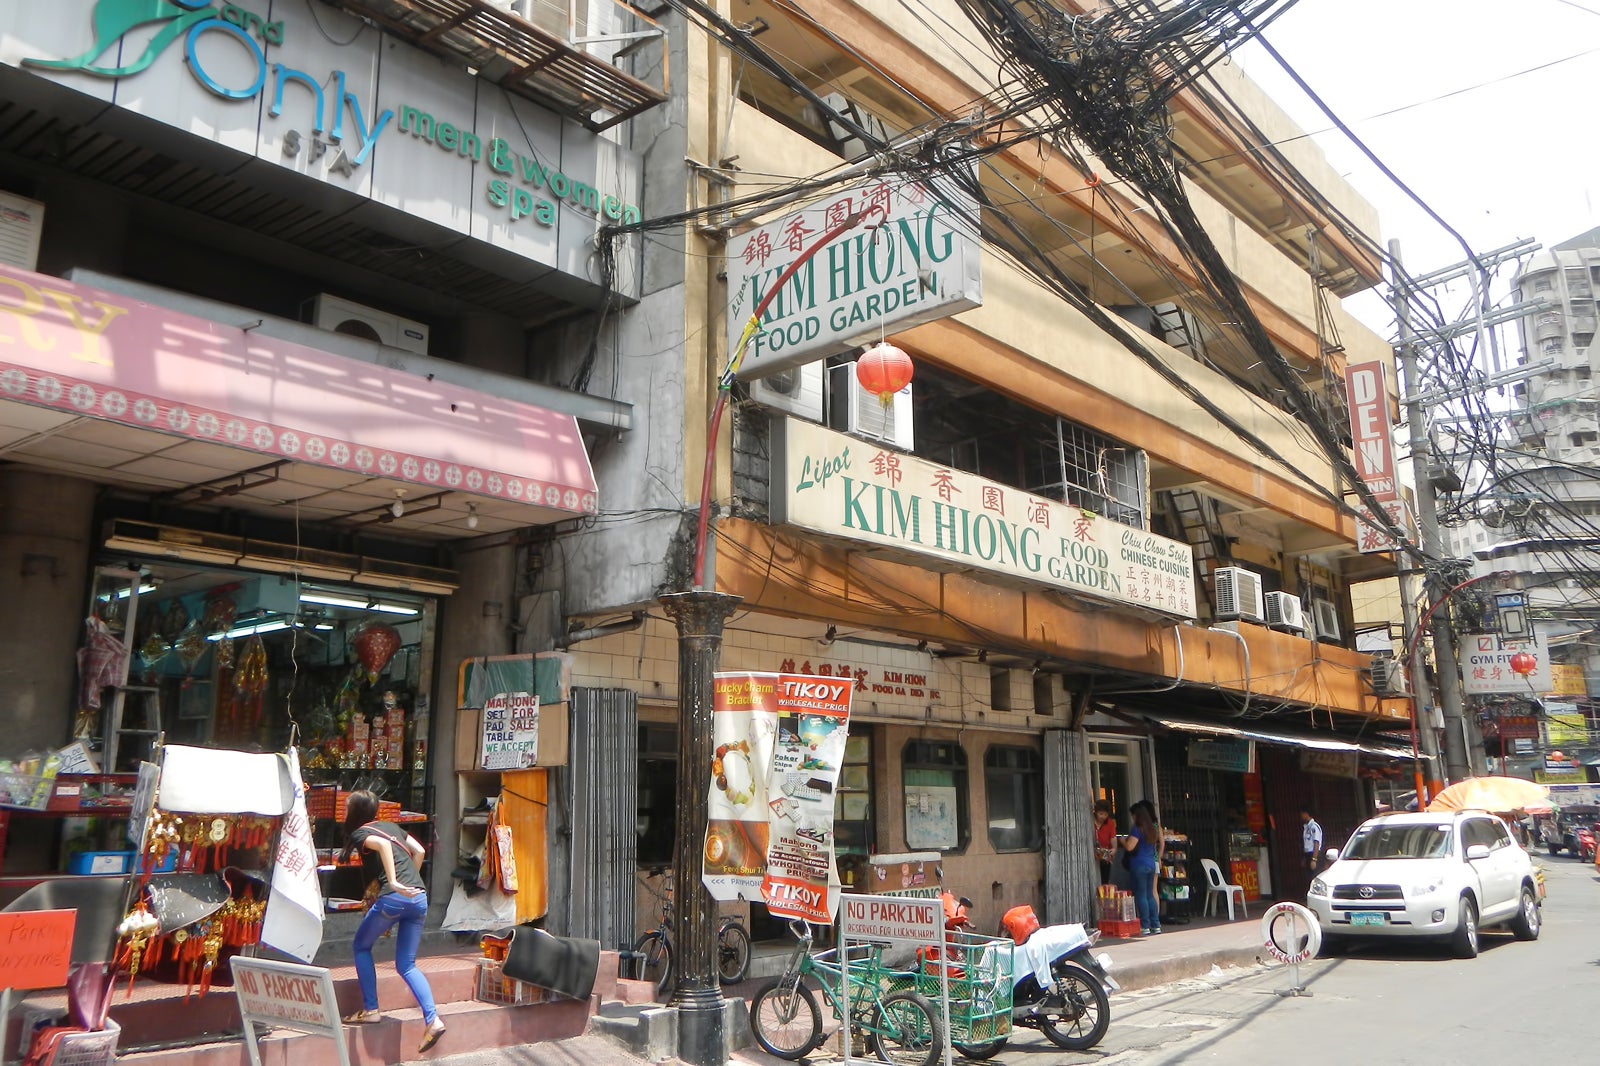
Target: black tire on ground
1465, 940
980, 1052
733, 954
905, 1031
1332, 945
1529, 919
786, 1024
1555, 849
1076, 1013
652, 961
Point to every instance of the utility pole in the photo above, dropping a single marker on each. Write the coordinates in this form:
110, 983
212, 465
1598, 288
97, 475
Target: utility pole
1457, 759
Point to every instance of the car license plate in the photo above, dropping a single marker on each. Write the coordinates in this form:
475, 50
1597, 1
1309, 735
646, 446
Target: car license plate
1368, 918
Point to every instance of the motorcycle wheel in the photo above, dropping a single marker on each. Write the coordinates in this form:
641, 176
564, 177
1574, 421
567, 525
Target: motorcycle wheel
1076, 1013
905, 1031
981, 1052
786, 1024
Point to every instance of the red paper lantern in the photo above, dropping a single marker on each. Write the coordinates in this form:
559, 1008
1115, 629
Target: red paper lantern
1523, 664
884, 370
375, 645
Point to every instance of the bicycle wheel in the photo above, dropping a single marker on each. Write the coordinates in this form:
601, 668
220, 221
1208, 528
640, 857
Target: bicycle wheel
1077, 1012
652, 961
733, 953
905, 1031
786, 1022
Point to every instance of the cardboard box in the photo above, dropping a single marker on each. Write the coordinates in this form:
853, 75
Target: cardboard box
554, 737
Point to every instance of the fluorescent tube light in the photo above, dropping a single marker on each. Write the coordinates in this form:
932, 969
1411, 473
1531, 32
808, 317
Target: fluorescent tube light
330, 600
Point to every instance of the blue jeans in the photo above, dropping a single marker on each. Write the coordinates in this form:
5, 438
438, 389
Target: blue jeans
1144, 897
392, 908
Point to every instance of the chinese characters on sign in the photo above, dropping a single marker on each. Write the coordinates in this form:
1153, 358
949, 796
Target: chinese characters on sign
838, 485
1486, 666
915, 258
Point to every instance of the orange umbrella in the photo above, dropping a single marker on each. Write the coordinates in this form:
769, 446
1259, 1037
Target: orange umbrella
1491, 794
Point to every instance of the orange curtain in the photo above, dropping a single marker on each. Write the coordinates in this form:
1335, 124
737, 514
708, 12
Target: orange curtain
524, 795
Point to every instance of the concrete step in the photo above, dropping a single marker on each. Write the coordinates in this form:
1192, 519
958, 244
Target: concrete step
471, 1026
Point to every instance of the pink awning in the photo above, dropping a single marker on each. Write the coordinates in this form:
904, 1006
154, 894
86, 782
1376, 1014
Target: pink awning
83, 351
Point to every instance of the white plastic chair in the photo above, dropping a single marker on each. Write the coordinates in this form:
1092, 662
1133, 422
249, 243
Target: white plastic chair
1216, 886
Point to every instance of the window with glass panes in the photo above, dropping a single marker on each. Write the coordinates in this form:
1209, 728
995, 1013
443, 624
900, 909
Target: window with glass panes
934, 777
1013, 786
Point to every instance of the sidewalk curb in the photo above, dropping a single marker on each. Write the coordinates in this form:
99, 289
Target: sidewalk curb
1140, 975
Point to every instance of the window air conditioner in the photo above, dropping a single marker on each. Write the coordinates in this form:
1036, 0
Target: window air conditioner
863, 415
357, 320
1325, 619
1387, 676
1239, 594
1285, 611
797, 391
21, 222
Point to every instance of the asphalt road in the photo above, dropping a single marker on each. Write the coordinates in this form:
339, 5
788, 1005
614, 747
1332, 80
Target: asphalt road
1516, 1003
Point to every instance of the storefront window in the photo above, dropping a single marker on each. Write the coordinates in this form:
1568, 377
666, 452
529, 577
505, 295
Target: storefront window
1013, 783
934, 774
229, 658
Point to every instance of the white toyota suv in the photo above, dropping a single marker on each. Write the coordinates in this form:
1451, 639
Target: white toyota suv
1427, 875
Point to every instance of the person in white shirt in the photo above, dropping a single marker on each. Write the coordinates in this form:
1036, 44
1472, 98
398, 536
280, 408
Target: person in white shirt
1310, 840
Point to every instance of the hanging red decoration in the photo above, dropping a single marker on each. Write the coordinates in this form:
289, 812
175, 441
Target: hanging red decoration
884, 370
375, 645
1522, 664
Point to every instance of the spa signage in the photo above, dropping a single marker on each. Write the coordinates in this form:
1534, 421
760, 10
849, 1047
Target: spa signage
315, 91
856, 489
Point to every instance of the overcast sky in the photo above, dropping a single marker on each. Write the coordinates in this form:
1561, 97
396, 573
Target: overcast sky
1514, 153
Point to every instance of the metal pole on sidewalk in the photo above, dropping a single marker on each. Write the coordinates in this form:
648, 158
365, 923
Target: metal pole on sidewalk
697, 990
1457, 764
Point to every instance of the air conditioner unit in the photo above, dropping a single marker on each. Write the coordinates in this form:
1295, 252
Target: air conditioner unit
851, 146
1239, 594
1285, 611
797, 390
357, 320
1325, 619
864, 415
21, 223
1387, 676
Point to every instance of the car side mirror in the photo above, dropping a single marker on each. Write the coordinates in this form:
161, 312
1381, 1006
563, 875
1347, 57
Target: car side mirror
1477, 851
1332, 854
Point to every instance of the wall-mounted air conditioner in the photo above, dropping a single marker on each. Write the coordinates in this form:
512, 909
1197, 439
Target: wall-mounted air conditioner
797, 390
1325, 619
857, 411
1238, 593
357, 320
1387, 676
1284, 611
850, 145
21, 225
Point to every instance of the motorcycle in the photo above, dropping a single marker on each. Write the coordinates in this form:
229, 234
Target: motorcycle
1059, 987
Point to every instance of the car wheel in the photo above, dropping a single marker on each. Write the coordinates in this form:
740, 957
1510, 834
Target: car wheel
1465, 941
1331, 946
1526, 924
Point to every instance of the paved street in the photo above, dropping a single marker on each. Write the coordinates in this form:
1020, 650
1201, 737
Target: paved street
1399, 1005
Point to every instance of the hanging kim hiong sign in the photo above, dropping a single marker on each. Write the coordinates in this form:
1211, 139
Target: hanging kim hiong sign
769, 833
915, 257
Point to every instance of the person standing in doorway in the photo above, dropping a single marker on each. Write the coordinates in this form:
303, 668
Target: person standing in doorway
389, 856
1144, 847
1310, 840
1105, 838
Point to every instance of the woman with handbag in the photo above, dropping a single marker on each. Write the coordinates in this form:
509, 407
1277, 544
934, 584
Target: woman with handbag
1142, 855
389, 857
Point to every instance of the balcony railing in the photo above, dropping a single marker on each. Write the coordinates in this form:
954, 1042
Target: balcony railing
563, 54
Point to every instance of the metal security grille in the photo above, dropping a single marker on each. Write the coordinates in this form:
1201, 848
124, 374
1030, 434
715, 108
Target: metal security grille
1191, 802
1081, 467
602, 783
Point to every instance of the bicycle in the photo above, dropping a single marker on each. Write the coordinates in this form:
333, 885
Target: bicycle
652, 952
900, 1024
